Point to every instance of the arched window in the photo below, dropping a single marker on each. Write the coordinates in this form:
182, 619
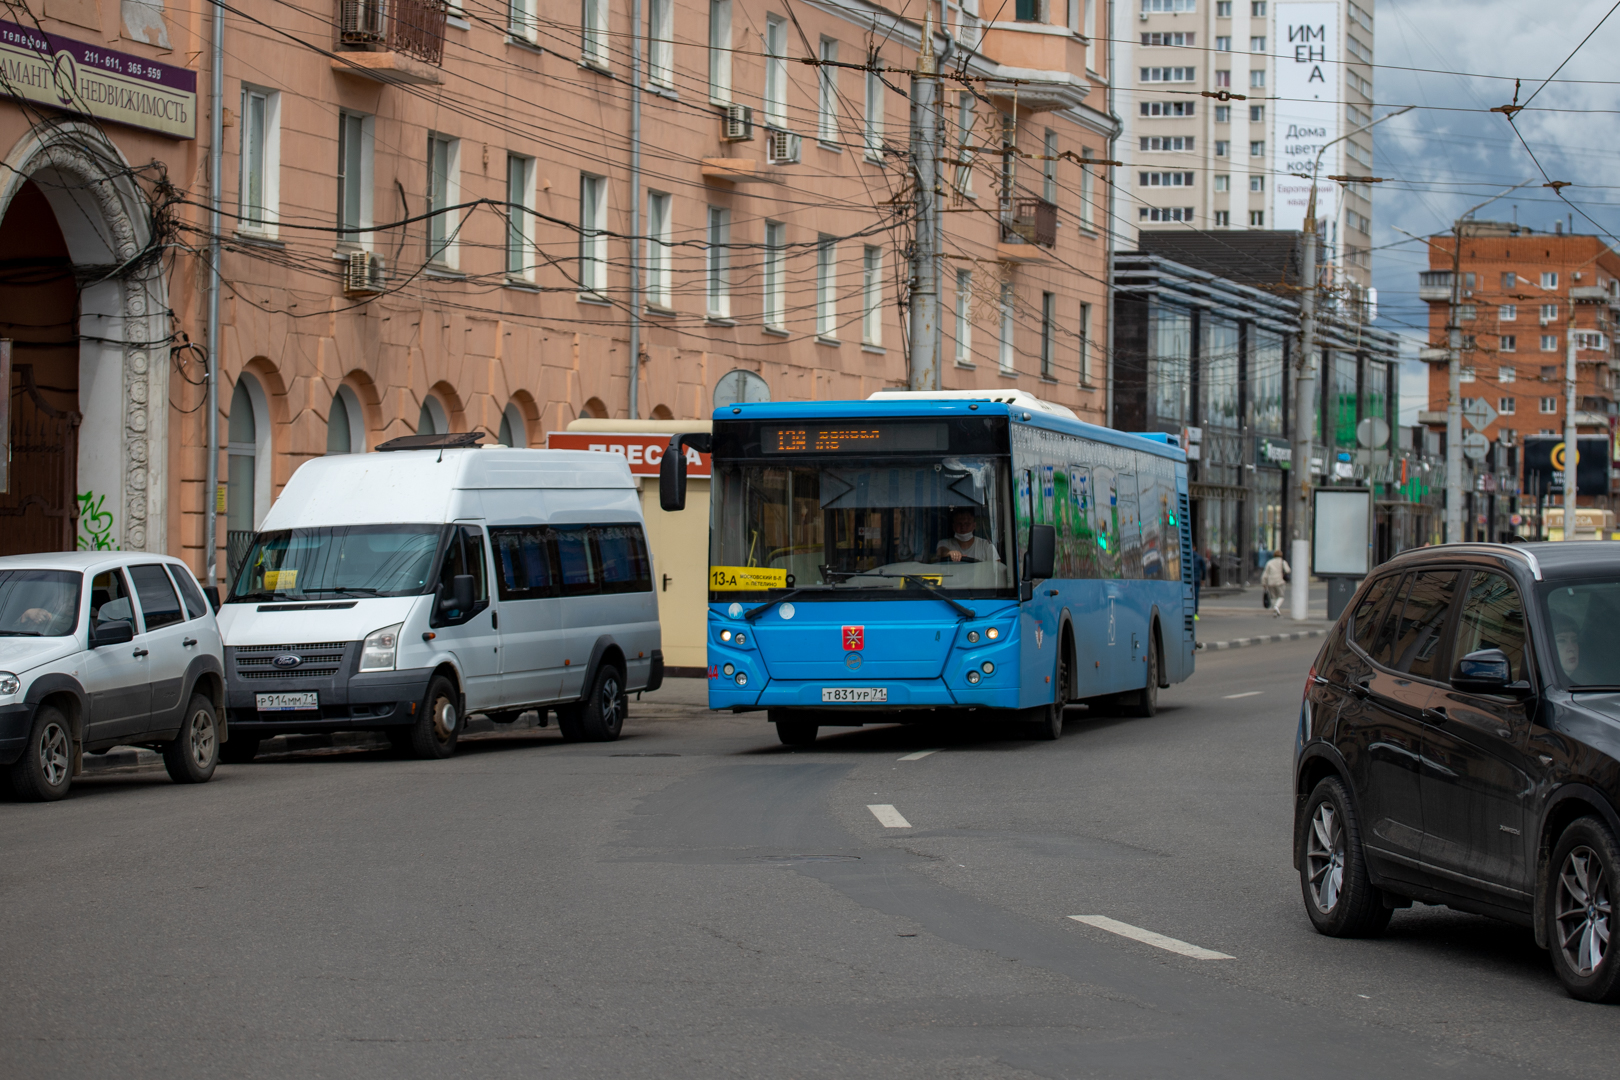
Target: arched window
432, 420
514, 429
247, 475
345, 424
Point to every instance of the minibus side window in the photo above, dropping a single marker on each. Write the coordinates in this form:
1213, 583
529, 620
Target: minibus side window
623, 553
464, 554
576, 561
524, 562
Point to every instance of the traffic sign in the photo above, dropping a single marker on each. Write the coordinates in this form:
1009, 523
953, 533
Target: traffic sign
1479, 413
1373, 431
1475, 446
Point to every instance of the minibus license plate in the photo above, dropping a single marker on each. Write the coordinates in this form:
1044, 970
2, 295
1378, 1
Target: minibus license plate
854, 694
288, 702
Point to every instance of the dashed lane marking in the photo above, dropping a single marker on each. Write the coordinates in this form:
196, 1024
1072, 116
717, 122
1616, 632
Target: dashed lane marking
1148, 937
919, 755
1247, 693
888, 816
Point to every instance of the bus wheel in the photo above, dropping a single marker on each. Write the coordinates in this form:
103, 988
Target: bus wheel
1145, 702
1048, 723
796, 732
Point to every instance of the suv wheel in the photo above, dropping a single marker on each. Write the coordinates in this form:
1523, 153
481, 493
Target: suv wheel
45, 770
600, 716
194, 752
1580, 918
438, 722
1339, 898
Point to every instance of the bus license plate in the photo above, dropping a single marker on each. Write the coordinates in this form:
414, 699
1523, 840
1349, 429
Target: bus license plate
309, 699
854, 694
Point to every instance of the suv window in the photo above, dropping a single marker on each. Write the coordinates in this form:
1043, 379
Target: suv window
1492, 618
159, 606
1369, 614
464, 554
39, 603
1414, 635
109, 599
196, 602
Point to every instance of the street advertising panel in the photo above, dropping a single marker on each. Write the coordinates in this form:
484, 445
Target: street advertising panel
86, 78
1305, 110
643, 452
1544, 465
1341, 532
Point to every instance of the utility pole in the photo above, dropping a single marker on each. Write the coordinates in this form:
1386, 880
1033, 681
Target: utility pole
216, 136
925, 127
635, 209
1299, 593
1571, 451
1454, 485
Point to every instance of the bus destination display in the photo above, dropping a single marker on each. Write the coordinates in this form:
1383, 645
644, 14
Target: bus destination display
836, 438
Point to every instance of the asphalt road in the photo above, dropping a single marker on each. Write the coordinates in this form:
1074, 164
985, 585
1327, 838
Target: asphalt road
697, 901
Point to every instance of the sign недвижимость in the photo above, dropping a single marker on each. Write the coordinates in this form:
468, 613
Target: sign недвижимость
50, 69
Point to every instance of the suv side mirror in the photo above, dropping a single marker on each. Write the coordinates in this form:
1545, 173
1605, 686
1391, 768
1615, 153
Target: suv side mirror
211, 593
1042, 556
116, 632
461, 595
1487, 671
672, 469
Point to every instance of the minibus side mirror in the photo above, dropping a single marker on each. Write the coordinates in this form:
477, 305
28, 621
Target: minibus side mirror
211, 592
672, 469
461, 595
1042, 553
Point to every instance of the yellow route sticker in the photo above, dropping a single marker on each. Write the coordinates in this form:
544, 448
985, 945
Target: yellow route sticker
740, 578
279, 580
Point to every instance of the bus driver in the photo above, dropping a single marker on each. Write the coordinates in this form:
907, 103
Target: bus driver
963, 543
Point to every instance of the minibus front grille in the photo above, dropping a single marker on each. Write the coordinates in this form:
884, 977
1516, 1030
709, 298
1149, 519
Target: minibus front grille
317, 660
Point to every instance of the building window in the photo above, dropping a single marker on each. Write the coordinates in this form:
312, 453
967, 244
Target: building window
521, 20
1549, 342
1168, 6
1028, 11
1549, 373
872, 125
1223, 219
1257, 8
1223, 78
776, 80
1179, 39
661, 42
1465, 312
1164, 142
1465, 373
345, 424
1223, 114
1165, 213
444, 189
1508, 343
963, 16
1549, 405
717, 265
1257, 148
826, 287
660, 249
827, 93
964, 317
1549, 313
1169, 74
1257, 79
514, 428
1223, 9
592, 233
594, 33
1257, 183
1510, 280
1223, 148
1257, 219
1006, 355
1257, 44
1506, 405
1507, 313
1506, 374
965, 120
1088, 193
1170, 108
248, 457
1049, 152
260, 191
354, 176
1223, 183
872, 296
1085, 344
775, 274
1223, 43
1257, 114
1048, 305
431, 418
519, 221
720, 51
1165, 179
1549, 279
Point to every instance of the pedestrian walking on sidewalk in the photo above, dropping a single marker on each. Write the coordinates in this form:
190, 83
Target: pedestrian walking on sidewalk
1272, 579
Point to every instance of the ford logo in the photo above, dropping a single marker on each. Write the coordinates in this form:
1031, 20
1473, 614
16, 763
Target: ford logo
287, 660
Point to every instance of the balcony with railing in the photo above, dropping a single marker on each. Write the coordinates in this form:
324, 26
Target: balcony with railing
1034, 221
391, 41
1434, 285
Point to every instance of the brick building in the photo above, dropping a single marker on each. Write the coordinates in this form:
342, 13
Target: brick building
1522, 294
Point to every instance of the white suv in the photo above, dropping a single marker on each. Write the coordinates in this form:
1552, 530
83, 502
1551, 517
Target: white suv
101, 649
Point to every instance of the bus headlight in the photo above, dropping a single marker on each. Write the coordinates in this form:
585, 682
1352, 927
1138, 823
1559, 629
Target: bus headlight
988, 668
742, 638
725, 635
992, 633
380, 649
742, 678
730, 669
973, 637
972, 676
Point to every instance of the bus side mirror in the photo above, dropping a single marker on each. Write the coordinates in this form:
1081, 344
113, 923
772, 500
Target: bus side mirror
1042, 553
672, 469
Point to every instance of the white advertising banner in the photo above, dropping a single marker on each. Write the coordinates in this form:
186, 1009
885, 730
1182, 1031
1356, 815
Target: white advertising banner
1305, 110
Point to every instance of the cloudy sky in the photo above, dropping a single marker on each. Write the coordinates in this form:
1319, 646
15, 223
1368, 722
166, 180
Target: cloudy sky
1455, 59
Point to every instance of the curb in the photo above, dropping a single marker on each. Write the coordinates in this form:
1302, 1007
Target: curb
1263, 639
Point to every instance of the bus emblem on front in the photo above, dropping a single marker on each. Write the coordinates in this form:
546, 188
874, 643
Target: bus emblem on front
854, 638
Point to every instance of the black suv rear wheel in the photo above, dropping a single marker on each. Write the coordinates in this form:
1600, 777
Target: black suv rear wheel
1339, 898
1580, 916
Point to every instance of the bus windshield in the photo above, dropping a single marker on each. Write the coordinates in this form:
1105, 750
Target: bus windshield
841, 523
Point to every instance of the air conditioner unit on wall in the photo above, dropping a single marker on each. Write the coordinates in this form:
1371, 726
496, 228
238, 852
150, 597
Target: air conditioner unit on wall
360, 22
737, 123
782, 147
365, 274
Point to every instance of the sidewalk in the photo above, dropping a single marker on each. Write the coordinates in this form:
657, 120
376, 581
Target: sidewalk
1232, 619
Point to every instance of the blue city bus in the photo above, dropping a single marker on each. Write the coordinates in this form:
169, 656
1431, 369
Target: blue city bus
920, 556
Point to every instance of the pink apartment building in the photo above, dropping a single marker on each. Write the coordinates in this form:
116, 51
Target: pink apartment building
431, 224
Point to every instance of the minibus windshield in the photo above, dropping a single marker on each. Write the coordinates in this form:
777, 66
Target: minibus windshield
843, 523
337, 561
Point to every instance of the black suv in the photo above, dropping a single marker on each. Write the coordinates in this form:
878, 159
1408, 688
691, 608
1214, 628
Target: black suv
1459, 744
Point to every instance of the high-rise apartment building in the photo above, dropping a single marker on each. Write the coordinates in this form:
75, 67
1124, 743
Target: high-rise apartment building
1225, 101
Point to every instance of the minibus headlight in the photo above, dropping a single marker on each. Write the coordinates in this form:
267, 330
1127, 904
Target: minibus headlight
380, 649
725, 635
9, 684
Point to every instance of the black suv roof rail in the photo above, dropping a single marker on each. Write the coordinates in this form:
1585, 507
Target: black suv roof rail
1497, 549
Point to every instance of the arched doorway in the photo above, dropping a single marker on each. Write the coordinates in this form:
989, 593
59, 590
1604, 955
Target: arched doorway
39, 317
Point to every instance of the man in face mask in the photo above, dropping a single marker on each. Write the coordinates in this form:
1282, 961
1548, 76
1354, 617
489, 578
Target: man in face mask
962, 543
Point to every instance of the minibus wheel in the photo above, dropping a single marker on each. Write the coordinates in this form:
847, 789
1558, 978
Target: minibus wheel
438, 721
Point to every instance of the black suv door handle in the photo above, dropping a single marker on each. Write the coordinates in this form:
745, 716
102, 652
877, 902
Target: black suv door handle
1359, 688
139, 652
188, 643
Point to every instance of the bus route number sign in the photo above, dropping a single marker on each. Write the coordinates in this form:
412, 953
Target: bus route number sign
746, 578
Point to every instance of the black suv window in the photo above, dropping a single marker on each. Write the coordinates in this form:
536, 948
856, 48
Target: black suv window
1410, 641
1369, 614
159, 606
1492, 618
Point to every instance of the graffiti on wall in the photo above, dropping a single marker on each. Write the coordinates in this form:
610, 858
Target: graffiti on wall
95, 523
